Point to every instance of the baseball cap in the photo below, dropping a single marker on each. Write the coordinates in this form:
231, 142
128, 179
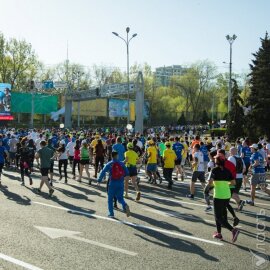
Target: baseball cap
254, 145
130, 145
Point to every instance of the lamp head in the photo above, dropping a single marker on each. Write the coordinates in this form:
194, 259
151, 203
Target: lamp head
234, 37
127, 29
228, 37
115, 34
134, 35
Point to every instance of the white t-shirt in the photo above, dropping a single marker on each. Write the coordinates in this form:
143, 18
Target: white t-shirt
37, 143
233, 160
70, 148
63, 155
199, 156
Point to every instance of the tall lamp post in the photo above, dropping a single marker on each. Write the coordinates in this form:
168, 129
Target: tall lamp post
230, 39
127, 41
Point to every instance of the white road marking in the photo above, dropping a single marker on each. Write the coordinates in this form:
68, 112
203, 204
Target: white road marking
58, 233
132, 224
169, 200
177, 215
18, 262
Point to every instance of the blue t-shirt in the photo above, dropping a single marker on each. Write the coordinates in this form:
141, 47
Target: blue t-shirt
2, 151
5, 143
120, 149
204, 150
260, 168
178, 148
247, 154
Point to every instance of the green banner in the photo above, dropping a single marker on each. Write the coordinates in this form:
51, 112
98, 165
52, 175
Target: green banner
43, 104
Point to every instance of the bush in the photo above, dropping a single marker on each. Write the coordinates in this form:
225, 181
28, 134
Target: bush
218, 131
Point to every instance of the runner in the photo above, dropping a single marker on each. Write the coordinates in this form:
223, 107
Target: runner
258, 173
131, 159
169, 157
76, 159
84, 161
198, 170
117, 171
44, 154
152, 162
62, 160
220, 178
178, 148
99, 156
245, 155
3, 152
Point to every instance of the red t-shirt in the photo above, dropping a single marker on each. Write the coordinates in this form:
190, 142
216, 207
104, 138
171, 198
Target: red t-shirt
231, 167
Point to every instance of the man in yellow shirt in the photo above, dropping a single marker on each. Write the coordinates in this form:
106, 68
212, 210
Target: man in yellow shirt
152, 162
131, 159
169, 157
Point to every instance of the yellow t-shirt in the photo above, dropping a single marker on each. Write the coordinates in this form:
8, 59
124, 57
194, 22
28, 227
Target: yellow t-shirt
169, 158
185, 150
227, 146
152, 155
131, 157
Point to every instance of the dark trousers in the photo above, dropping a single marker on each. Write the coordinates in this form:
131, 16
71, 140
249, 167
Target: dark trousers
24, 171
63, 162
99, 161
76, 162
167, 173
220, 208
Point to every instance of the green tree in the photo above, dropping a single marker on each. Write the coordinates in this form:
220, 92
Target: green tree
205, 118
235, 117
259, 99
182, 120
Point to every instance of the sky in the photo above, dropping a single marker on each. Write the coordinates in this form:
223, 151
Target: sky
170, 32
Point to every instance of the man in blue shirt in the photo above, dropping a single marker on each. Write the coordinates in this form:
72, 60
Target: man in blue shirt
204, 150
258, 172
178, 149
3, 151
115, 186
245, 155
120, 149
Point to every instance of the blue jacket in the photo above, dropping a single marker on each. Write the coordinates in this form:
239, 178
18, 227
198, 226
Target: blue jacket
108, 168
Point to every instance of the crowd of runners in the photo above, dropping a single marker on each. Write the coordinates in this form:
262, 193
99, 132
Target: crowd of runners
223, 167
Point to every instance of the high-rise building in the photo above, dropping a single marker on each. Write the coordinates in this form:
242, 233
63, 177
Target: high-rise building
164, 74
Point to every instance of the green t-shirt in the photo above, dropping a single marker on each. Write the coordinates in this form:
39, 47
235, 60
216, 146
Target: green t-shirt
162, 148
222, 178
84, 153
45, 155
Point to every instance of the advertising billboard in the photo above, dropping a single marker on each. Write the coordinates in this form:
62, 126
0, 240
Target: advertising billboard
43, 104
5, 99
119, 108
97, 107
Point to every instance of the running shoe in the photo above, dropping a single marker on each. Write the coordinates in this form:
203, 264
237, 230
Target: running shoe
51, 191
127, 210
90, 182
235, 221
138, 196
190, 196
111, 216
235, 233
208, 208
22, 184
38, 190
115, 206
175, 178
250, 202
74, 177
126, 196
241, 205
218, 236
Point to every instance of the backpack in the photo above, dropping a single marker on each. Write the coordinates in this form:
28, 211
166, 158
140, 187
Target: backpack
239, 164
117, 171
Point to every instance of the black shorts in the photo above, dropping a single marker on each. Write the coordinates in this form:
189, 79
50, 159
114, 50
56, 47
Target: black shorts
1, 167
178, 161
198, 175
44, 171
247, 167
132, 171
70, 158
84, 161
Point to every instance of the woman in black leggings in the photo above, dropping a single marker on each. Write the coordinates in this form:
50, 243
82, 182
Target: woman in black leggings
221, 178
63, 160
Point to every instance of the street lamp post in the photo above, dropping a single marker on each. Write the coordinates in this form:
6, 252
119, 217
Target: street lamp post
127, 41
230, 39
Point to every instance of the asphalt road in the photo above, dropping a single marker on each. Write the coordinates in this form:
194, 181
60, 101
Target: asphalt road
166, 230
